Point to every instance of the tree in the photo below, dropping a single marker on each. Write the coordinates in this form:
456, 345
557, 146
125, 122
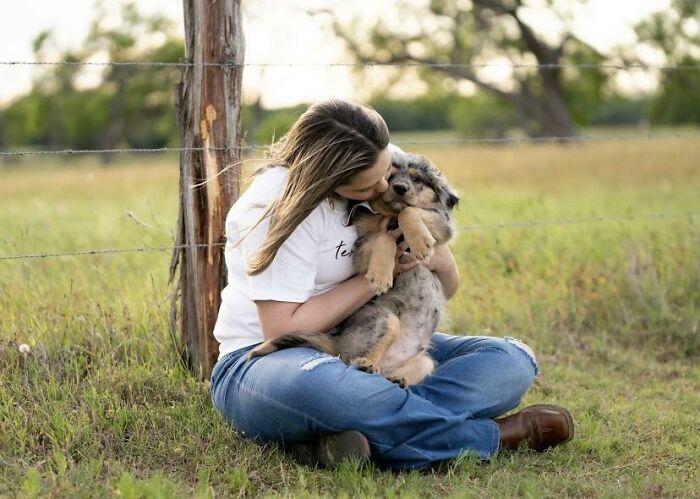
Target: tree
676, 34
130, 107
141, 108
455, 36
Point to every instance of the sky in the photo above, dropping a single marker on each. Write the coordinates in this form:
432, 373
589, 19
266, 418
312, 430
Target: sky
284, 32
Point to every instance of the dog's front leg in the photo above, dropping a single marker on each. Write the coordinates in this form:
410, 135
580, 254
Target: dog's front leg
417, 235
380, 270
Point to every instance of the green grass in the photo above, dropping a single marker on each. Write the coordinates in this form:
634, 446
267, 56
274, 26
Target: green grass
100, 406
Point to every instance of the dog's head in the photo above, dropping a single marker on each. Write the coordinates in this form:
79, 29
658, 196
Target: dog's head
416, 182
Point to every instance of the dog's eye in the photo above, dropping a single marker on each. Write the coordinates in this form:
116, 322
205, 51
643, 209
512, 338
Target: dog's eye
416, 178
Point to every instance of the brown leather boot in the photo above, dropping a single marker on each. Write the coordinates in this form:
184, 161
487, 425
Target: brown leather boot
332, 449
538, 427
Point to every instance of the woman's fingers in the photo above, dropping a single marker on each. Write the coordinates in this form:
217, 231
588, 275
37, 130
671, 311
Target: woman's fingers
395, 234
403, 260
384, 227
403, 267
384, 224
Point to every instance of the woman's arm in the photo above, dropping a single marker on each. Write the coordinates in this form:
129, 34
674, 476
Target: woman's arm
321, 312
443, 264
445, 268
318, 314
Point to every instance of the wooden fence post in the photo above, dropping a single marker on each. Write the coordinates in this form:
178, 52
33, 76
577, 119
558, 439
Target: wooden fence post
208, 105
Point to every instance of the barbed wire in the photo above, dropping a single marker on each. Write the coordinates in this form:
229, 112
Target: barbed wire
418, 64
495, 226
574, 221
68, 152
103, 251
469, 140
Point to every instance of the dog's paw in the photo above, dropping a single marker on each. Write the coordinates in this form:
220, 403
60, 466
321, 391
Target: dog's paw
380, 278
366, 365
422, 245
399, 380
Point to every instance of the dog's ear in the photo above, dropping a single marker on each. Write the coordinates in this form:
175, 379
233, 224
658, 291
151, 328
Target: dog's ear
446, 193
452, 199
448, 196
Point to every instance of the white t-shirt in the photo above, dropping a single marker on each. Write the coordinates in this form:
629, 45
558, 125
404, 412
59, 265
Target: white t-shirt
315, 258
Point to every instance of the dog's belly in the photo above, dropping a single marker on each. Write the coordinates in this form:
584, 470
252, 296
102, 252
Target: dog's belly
416, 331
422, 302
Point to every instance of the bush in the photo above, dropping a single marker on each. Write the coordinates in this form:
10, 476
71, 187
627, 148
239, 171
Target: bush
482, 116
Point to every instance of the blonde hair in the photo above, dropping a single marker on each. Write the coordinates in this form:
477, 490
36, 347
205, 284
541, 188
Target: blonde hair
328, 144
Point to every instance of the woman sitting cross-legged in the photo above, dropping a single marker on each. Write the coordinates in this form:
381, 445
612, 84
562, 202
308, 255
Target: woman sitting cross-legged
289, 261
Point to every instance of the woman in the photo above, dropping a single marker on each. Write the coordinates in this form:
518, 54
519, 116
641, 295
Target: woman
289, 269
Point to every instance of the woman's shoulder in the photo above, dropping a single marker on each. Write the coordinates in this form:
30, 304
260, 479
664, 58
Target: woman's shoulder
265, 186
270, 176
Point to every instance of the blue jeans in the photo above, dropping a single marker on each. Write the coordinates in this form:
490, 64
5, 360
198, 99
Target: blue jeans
296, 394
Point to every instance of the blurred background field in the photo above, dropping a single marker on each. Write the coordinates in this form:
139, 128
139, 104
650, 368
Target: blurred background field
612, 308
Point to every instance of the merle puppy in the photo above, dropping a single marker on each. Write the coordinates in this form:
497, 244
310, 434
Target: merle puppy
390, 334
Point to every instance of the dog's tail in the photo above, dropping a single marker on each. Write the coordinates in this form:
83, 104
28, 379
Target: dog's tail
318, 341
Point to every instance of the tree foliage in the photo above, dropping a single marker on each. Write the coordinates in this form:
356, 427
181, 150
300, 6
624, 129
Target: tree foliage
676, 33
456, 37
130, 107
122, 106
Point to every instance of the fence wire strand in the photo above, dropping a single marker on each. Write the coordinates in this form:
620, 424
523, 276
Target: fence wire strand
475, 140
495, 226
465, 141
409, 64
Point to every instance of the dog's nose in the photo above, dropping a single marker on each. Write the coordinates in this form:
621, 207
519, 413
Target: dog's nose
400, 189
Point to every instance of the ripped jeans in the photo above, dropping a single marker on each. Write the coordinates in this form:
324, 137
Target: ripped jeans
297, 394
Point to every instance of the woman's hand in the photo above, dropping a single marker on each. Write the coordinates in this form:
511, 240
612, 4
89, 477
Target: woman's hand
442, 259
403, 261
442, 263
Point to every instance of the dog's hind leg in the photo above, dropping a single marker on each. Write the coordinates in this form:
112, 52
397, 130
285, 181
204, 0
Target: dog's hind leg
372, 361
413, 371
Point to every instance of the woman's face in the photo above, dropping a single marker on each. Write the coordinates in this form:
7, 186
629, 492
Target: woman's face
369, 183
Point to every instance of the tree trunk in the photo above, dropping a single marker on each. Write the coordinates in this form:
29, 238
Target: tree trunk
209, 117
547, 115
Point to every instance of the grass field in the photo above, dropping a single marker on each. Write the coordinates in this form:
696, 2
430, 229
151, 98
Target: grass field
100, 407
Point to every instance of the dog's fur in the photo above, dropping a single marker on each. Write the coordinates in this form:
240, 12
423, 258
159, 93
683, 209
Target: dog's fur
391, 333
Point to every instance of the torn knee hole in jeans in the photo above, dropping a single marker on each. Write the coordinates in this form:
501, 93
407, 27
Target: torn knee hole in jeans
525, 348
317, 360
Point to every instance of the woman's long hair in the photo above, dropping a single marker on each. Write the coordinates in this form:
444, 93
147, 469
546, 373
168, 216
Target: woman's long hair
328, 144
